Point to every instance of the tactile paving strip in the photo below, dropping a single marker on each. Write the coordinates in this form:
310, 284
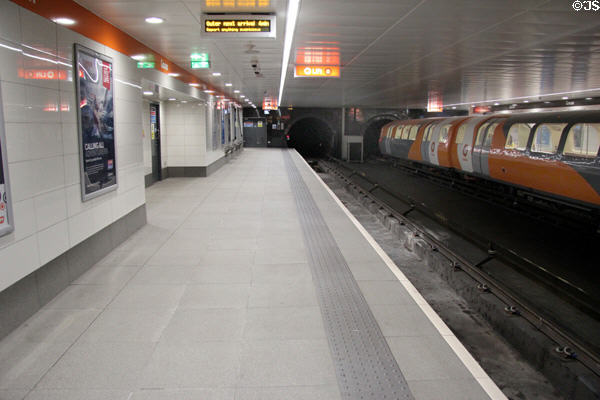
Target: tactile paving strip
365, 365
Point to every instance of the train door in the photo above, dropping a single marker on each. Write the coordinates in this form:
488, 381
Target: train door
388, 139
483, 143
464, 143
436, 137
425, 143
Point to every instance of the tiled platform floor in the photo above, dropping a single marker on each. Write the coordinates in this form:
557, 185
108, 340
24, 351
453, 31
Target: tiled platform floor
214, 299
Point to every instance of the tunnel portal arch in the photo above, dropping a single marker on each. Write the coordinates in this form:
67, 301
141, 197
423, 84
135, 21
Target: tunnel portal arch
372, 131
311, 136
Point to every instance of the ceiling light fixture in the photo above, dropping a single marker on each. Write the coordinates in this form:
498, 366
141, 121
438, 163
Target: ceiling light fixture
236, 91
172, 99
194, 84
242, 96
525, 101
184, 101
229, 84
496, 104
148, 93
155, 20
290, 26
216, 74
139, 57
565, 97
209, 91
64, 21
173, 74
588, 98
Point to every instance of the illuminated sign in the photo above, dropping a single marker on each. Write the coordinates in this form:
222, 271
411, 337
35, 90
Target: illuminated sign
200, 60
146, 64
482, 109
434, 102
319, 55
45, 74
239, 25
269, 103
200, 64
316, 71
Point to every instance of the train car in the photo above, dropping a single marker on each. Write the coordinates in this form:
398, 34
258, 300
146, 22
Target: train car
550, 155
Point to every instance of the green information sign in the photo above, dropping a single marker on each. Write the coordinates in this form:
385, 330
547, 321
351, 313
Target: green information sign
200, 64
200, 57
145, 64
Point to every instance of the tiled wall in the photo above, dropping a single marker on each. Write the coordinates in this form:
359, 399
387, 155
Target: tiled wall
42, 146
186, 134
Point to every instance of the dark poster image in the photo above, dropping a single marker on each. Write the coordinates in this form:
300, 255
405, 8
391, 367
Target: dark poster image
95, 93
6, 223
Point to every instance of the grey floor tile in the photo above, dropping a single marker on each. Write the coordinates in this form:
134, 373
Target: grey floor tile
13, 394
281, 273
193, 365
447, 389
117, 325
275, 241
284, 323
300, 294
385, 292
228, 257
175, 257
329, 392
54, 326
286, 363
163, 275
99, 275
232, 244
99, 366
426, 358
199, 325
185, 394
403, 320
148, 297
131, 257
223, 274
86, 394
371, 271
215, 296
84, 297
23, 364
282, 255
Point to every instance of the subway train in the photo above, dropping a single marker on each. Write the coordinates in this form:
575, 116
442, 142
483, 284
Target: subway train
548, 156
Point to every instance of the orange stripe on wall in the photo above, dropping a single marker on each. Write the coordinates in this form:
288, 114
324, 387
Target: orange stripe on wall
93, 27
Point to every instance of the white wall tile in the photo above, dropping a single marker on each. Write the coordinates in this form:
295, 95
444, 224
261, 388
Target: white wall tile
24, 216
50, 208
18, 142
53, 241
18, 260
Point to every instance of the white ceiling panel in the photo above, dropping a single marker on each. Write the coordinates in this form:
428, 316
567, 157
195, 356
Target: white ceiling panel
392, 52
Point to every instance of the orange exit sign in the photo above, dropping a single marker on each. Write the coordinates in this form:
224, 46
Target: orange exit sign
317, 71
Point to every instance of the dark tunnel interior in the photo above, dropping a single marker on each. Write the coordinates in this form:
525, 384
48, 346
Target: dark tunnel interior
311, 137
371, 138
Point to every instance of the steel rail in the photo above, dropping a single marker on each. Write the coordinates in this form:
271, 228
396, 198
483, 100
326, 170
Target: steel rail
513, 302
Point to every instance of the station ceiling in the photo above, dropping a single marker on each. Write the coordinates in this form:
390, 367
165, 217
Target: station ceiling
393, 53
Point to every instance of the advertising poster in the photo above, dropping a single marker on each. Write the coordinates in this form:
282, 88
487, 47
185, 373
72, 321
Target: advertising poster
6, 222
95, 97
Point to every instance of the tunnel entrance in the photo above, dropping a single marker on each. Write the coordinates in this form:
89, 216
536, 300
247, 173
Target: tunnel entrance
311, 137
371, 137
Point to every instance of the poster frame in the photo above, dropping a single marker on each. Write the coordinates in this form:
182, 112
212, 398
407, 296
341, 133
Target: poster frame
10, 227
77, 49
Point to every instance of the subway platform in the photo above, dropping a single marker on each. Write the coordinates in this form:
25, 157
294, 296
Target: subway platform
254, 283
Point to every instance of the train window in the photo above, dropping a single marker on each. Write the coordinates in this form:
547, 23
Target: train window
398, 132
583, 140
518, 135
481, 133
444, 133
487, 143
546, 138
389, 132
413, 132
405, 132
427, 132
460, 134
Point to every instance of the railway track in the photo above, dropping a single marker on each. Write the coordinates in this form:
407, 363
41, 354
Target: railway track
568, 344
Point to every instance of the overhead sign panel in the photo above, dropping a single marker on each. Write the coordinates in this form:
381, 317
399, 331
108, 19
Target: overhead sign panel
236, 26
269, 103
316, 71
